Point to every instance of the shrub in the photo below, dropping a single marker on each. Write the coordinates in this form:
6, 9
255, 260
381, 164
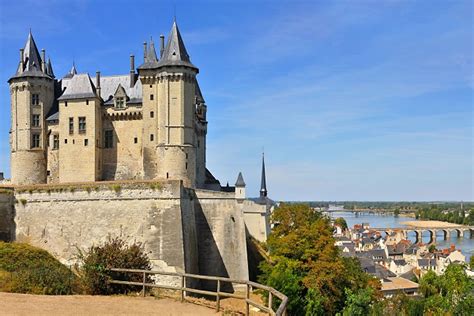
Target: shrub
27, 269
114, 253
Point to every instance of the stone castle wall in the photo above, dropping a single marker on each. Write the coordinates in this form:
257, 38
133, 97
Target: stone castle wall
182, 230
7, 215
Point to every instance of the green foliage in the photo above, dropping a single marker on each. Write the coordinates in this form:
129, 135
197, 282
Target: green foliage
341, 222
306, 265
396, 213
432, 248
358, 303
116, 187
27, 269
471, 263
114, 253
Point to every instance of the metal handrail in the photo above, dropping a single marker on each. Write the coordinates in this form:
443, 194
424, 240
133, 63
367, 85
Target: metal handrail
249, 286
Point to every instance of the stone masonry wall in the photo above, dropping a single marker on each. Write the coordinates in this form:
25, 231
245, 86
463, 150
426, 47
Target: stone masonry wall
65, 220
7, 214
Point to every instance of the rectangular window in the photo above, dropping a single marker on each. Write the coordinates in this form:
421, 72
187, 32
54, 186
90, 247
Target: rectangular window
152, 97
109, 139
86, 142
35, 100
65, 140
152, 137
152, 114
55, 141
82, 125
135, 140
71, 125
35, 120
87, 102
120, 103
35, 141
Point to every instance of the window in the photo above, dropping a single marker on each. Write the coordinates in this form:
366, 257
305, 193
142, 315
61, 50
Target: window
135, 140
65, 104
186, 166
152, 114
82, 125
86, 142
65, 140
109, 139
35, 141
48, 173
152, 97
55, 141
71, 125
120, 103
152, 137
35, 120
87, 102
35, 100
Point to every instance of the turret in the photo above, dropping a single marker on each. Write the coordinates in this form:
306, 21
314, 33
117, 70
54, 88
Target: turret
32, 96
240, 187
169, 92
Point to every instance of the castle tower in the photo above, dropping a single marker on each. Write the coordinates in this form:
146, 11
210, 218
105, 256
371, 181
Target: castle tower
169, 92
32, 96
240, 187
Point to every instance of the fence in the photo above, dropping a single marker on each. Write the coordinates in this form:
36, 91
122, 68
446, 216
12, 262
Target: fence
249, 286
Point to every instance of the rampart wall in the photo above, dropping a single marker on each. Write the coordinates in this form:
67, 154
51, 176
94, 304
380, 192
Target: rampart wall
182, 230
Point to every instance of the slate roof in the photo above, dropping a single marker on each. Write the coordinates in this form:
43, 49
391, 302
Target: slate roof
175, 53
151, 61
53, 117
78, 87
240, 181
31, 61
71, 72
427, 262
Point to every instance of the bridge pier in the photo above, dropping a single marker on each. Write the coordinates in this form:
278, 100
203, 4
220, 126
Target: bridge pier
447, 234
432, 236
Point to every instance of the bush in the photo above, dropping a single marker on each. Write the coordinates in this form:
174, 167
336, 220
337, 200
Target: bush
114, 253
27, 269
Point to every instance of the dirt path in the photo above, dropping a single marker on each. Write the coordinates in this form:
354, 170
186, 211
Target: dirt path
24, 304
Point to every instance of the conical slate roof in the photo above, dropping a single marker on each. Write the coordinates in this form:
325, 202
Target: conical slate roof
151, 61
31, 61
240, 181
71, 72
198, 93
49, 69
175, 53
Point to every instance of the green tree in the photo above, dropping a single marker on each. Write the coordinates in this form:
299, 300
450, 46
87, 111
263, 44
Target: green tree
341, 222
358, 303
471, 263
302, 250
396, 213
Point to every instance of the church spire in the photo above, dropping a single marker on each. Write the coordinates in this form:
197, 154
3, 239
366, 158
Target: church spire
263, 185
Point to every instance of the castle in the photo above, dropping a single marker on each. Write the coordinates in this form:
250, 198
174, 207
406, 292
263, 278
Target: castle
124, 156
147, 124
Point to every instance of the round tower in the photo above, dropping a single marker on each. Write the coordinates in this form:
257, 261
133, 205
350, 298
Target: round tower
32, 96
169, 107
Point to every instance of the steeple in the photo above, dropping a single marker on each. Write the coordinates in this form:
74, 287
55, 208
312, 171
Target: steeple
263, 185
240, 181
175, 53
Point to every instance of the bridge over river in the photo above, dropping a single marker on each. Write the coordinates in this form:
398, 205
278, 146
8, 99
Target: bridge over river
419, 228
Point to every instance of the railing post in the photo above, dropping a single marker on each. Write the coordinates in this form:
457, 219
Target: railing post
270, 301
144, 280
182, 287
247, 296
218, 305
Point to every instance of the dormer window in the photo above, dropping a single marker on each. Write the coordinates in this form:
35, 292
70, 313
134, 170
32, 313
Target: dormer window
120, 102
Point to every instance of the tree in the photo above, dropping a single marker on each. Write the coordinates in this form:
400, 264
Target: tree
471, 263
358, 303
396, 213
306, 265
432, 248
341, 222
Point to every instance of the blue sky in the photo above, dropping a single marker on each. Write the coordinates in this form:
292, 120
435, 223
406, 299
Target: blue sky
352, 100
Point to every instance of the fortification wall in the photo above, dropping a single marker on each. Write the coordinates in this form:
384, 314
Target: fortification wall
221, 235
7, 215
66, 219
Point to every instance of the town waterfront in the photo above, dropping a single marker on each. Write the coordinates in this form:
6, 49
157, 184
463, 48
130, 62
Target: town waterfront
465, 244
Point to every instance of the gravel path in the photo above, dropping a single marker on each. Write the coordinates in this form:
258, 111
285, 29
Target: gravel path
25, 304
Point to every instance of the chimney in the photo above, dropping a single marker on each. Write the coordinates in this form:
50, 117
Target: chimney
132, 71
22, 56
97, 83
162, 45
43, 60
144, 52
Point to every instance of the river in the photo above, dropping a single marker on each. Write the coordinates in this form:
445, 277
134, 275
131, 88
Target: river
465, 244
